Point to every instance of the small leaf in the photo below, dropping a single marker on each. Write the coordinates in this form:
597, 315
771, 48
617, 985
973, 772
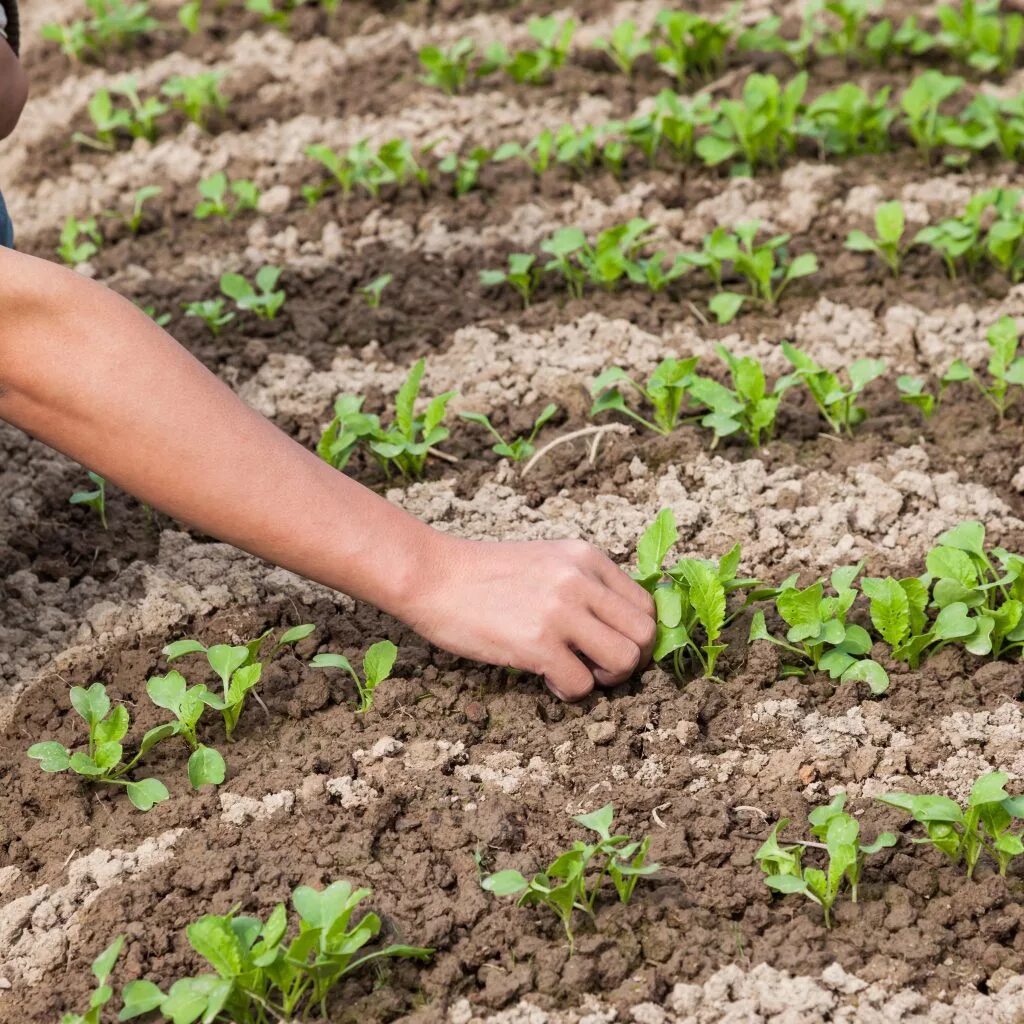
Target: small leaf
379, 661
206, 767
504, 883
147, 792
140, 997
870, 672
52, 756
296, 633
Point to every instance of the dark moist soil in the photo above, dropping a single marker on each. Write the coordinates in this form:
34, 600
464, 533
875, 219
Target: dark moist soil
919, 921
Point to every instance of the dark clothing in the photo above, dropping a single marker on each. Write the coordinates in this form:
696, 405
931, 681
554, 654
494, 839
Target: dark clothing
10, 11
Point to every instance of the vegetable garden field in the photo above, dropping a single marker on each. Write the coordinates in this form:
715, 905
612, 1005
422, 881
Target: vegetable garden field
732, 292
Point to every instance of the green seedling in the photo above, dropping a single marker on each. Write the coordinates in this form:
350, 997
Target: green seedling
964, 834
80, 240
838, 834
113, 24
378, 662
886, 40
393, 163
746, 407
187, 704
687, 43
890, 223
523, 275
258, 976
818, 635
447, 69
672, 122
836, 402
764, 37
691, 597
844, 33
534, 67
625, 46
611, 259
133, 220
849, 120
220, 197
188, 15
211, 312
665, 391
374, 291
1005, 367
96, 499
465, 170
102, 969
758, 129
914, 391
238, 667
977, 32
921, 102
564, 887
196, 96
137, 119
103, 760
520, 448
990, 121
767, 266
262, 299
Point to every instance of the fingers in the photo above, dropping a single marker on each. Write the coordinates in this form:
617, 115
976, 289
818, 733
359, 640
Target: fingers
622, 616
614, 578
566, 676
615, 656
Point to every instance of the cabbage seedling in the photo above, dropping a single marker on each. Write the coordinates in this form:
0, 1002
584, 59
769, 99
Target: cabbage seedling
133, 220
819, 636
520, 448
211, 312
374, 291
838, 834
378, 662
625, 46
534, 67
96, 499
465, 170
522, 274
665, 391
447, 69
137, 119
238, 667
187, 704
80, 240
849, 120
113, 24
836, 402
221, 198
102, 761
1005, 367
262, 299
921, 101
964, 834
102, 969
564, 887
392, 164
889, 225
767, 267
259, 976
978, 32
196, 96
686, 42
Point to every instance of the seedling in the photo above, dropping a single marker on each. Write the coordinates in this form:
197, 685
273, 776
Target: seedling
374, 291
688, 43
113, 24
360, 167
612, 258
819, 637
80, 240
238, 667
211, 312
747, 406
534, 67
447, 69
758, 129
625, 46
836, 402
885, 40
889, 225
990, 121
102, 762
1005, 367
465, 170
137, 119
187, 704
102, 969
196, 96
96, 499
964, 834
691, 597
378, 662
564, 887
665, 391
522, 274
262, 299
921, 102
978, 32
188, 15
405, 445
767, 267
765, 37
672, 121
258, 976
520, 448
223, 198
849, 120
160, 319
838, 834
844, 35
133, 220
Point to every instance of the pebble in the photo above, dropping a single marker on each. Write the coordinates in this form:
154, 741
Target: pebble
601, 733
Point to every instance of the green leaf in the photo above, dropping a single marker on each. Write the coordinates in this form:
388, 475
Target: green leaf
951, 563
669, 640
206, 767
889, 609
989, 789
801, 609
858, 241
225, 660
953, 622
156, 735
707, 595
968, 536
147, 792
870, 672
786, 883
725, 305
214, 939
505, 883
114, 727
296, 633
599, 821
140, 997
890, 221
92, 704
167, 691
52, 756
655, 543
180, 648
103, 965
379, 661
405, 400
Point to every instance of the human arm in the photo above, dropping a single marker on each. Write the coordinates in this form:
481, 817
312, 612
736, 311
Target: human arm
13, 89
86, 372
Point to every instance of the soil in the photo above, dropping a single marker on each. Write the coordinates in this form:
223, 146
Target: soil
459, 764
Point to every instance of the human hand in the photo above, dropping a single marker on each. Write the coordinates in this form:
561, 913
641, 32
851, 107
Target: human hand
559, 609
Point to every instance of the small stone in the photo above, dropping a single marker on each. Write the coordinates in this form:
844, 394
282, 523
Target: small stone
807, 774
601, 733
687, 732
476, 712
275, 200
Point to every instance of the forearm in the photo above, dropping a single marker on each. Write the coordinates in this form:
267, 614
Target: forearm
13, 89
90, 375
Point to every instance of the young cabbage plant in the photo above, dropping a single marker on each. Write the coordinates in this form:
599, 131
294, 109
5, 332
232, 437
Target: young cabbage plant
836, 402
818, 636
691, 597
520, 448
665, 392
687, 43
849, 120
978, 32
212, 313
921, 102
612, 259
747, 407
843, 31
238, 667
378, 662
102, 761
534, 67
80, 240
522, 274
393, 163
838, 834
258, 975
573, 880
187, 704
220, 197
133, 219
96, 499
672, 122
764, 37
767, 267
447, 69
625, 46
137, 119
264, 299
374, 291
890, 223
963, 834
1005, 367
196, 96
113, 24
102, 969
